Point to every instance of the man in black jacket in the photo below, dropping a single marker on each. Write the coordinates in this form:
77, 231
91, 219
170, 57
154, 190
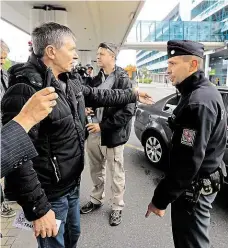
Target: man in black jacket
52, 179
109, 132
16, 146
198, 144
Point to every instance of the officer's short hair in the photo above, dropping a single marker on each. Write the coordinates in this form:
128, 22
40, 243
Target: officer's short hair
50, 33
4, 47
199, 60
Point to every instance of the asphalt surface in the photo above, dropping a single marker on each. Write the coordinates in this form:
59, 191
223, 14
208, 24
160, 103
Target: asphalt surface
141, 179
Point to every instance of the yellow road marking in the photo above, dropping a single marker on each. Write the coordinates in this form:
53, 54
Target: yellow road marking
134, 147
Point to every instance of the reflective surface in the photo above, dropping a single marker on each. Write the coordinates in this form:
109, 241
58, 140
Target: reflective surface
147, 31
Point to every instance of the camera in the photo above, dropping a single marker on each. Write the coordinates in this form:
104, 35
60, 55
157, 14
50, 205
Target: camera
81, 70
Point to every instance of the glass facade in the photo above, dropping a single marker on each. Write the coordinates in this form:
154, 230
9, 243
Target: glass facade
155, 61
204, 7
218, 70
146, 56
180, 30
209, 23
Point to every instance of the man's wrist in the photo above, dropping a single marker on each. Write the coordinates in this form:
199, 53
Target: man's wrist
24, 121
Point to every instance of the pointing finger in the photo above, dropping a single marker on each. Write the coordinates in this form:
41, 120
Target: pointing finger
147, 213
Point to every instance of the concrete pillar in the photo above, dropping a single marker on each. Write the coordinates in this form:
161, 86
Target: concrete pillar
40, 15
207, 62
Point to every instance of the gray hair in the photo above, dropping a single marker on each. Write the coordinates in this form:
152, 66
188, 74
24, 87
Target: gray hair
192, 57
111, 47
50, 33
4, 47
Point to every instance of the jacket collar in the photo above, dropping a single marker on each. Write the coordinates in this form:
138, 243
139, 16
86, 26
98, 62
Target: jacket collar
192, 82
117, 70
44, 70
38, 63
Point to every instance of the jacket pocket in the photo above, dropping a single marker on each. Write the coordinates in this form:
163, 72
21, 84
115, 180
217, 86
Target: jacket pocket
55, 166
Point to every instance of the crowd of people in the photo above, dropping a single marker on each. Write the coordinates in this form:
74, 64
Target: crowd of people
48, 111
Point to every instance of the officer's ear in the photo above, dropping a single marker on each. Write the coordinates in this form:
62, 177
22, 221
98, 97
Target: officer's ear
194, 65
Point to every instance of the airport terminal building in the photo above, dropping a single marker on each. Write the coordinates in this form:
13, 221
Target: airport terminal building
199, 20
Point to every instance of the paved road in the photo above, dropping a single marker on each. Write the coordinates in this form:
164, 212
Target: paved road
136, 231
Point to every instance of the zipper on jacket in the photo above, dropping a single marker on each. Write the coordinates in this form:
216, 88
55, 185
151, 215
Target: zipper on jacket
53, 161
47, 78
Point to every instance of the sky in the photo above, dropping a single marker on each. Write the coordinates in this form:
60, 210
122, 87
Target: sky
17, 41
15, 38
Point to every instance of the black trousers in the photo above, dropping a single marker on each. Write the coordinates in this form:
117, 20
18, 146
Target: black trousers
191, 230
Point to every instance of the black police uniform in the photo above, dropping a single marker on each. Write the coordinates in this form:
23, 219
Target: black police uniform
197, 149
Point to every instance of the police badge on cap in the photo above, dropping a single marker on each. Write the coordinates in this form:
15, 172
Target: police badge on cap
184, 47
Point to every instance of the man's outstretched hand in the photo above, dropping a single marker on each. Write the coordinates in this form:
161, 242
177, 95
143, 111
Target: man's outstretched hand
144, 97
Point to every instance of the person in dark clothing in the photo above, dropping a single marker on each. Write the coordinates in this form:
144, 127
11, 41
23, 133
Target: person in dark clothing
6, 210
16, 145
53, 178
198, 144
218, 82
79, 73
89, 70
109, 131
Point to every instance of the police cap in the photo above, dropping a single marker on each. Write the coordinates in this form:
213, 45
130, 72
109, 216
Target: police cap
184, 47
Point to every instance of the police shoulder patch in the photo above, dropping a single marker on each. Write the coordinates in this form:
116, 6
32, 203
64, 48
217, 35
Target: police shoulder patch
188, 137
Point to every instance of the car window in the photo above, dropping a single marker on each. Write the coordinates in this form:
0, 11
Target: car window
171, 104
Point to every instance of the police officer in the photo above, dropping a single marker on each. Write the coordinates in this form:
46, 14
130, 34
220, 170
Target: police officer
197, 148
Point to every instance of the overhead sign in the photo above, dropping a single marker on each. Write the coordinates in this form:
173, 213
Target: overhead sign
212, 72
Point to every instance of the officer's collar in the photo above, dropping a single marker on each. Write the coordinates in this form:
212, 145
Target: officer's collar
192, 82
